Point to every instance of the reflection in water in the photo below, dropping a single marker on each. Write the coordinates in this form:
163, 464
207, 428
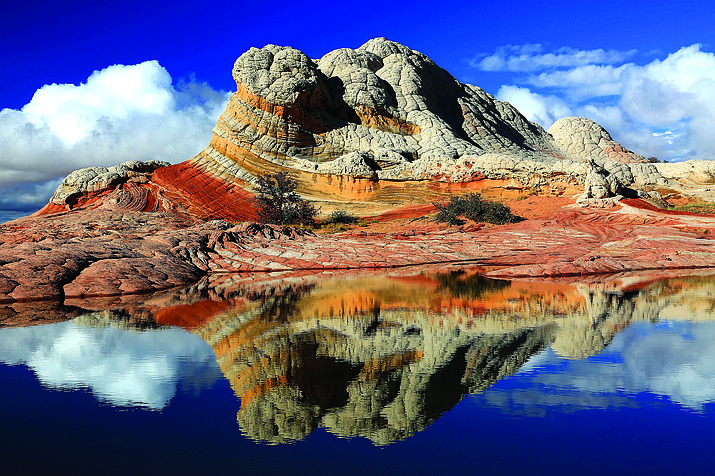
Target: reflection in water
674, 360
461, 284
382, 358
120, 366
382, 355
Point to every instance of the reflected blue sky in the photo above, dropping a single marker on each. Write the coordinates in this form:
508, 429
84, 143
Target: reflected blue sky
673, 360
643, 402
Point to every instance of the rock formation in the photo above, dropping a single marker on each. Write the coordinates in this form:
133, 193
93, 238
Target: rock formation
359, 123
368, 130
83, 183
381, 124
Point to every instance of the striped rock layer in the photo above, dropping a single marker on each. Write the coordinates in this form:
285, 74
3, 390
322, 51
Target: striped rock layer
372, 128
384, 124
367, 130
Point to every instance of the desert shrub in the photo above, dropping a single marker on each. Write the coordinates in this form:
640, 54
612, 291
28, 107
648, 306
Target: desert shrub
277, 201
342, 216
473, 207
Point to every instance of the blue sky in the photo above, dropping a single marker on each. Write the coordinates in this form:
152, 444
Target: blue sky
646, 71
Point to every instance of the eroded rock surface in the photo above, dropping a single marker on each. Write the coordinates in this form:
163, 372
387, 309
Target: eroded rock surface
92, 180
356, 122
374, 128
366, 129
100, 251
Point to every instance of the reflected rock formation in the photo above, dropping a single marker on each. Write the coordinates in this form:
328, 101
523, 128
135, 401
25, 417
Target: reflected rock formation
378, 354
378, 373
384, 356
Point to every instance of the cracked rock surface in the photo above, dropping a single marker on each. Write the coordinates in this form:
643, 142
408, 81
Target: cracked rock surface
381, 124
388, 113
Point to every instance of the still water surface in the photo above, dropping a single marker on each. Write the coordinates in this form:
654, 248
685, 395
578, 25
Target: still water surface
419, 371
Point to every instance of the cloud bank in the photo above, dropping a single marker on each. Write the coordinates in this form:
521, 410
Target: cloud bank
664, 108
124, 368
120, 113
531, 57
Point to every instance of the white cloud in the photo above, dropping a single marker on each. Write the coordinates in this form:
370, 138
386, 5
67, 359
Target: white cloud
120, 113
636, 103
544, 110
122, 367
584, 81
676, 93
531, 57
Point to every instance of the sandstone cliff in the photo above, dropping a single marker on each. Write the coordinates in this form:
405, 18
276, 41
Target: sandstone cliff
360, 120
369, 129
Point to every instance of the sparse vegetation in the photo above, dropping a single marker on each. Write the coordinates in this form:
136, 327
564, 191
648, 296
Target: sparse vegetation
277, 201
342, 216
656, 160
473, 207
341, 220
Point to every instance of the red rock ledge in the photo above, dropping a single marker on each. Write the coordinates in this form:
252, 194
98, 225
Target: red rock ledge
99, 251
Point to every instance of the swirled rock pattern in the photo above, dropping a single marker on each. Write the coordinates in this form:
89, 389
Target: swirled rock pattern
355, 123
369, 129
104, 251
92, 180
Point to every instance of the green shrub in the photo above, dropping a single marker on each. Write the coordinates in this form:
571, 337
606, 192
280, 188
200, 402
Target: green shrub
342, 216
473, 207
277, 201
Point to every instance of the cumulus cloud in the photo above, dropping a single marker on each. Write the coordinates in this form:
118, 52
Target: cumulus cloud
665, 108
544, 110
121, 367
583, 82
531, 57
120, 113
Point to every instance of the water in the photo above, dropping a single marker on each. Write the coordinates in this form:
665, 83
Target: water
421, 371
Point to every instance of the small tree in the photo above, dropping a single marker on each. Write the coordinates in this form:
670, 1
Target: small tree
277, 202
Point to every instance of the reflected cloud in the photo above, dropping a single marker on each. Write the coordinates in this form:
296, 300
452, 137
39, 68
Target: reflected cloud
675, 360
121, 367
383, 354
